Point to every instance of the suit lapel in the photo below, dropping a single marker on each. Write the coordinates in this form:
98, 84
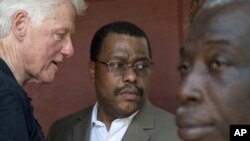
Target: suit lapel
142, 123
135, 133
81, 131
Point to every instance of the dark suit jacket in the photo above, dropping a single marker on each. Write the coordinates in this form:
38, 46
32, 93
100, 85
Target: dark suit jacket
17, 122
150, 124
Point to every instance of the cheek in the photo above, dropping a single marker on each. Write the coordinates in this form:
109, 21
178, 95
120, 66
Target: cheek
237, 88
105, 84
238, 100
231, 99
51, 48
42, 47
46, 42
145, 82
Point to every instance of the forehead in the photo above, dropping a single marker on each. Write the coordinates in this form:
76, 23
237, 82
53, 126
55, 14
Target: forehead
229, 26
124, 45
63, 18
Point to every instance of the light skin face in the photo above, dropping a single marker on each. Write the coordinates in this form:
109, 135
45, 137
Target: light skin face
119, 95
46, 44
215, 72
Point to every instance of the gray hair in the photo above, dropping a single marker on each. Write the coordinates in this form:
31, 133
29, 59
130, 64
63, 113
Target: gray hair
37, 10
214, 3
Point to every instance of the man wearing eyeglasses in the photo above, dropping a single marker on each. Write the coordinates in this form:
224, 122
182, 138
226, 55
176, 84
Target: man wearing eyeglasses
121, 70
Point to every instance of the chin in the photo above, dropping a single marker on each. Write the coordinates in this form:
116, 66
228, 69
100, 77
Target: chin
46, 80
127, 112
124, 115
201, 135
40, 79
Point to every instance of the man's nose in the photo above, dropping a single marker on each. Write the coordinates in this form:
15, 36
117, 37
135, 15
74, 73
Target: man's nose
68, 49
192, 88
130, 75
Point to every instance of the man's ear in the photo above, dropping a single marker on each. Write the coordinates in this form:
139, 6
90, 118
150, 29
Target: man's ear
19, 24
92, 70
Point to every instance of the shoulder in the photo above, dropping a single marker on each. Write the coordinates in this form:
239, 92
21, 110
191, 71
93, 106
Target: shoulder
165, 125
154, 116
15, 109
156, 112
8, 84
164, 119
72, 119
162, 114
11, 93
61, 129
154, 122
5, 81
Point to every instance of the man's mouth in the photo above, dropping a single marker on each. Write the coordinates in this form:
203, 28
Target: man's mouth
54, 62
194, 132
193, 126
129, 92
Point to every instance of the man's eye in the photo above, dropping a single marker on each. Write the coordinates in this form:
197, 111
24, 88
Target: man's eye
58, 36
117, 65
184, 67
142, 65
218, 64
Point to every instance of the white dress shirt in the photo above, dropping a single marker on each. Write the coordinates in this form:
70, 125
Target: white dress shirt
117, 130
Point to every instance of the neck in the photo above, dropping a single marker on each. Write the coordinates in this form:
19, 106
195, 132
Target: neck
105, 117
9, 53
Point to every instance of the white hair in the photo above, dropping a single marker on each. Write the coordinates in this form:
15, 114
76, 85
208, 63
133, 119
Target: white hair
214, 3
37, 10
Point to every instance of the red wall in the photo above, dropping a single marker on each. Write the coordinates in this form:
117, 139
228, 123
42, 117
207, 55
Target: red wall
165, 22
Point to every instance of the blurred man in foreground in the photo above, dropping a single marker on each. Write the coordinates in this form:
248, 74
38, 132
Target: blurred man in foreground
215, 73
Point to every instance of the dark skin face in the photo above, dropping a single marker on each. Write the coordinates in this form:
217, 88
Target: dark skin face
120, 95
215, 72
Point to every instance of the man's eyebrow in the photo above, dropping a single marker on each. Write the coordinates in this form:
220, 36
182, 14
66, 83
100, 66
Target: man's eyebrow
218, 41
143, 59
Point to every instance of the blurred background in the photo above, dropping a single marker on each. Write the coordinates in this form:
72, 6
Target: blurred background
164, 21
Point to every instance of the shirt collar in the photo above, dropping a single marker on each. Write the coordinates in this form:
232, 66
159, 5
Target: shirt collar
96, 122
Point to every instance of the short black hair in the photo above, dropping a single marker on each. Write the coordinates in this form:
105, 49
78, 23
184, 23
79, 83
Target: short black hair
119, 27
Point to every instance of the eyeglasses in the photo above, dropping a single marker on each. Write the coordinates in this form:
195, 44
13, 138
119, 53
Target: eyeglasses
120, 68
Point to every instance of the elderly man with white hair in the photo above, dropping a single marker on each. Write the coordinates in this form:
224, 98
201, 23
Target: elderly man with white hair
34, 39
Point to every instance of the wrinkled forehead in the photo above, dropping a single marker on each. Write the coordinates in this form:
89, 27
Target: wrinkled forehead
229, 22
